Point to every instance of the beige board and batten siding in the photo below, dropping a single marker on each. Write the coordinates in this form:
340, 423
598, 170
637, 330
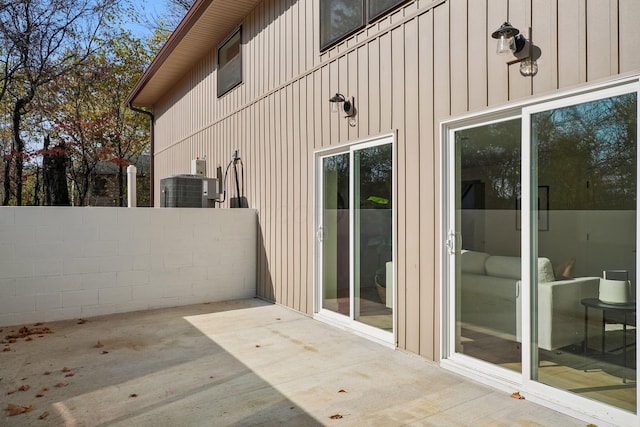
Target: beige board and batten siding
424, 62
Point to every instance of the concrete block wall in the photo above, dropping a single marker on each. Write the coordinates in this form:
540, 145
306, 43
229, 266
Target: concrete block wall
64, 263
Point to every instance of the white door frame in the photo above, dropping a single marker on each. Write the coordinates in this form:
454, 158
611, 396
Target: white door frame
347, 322
497, 377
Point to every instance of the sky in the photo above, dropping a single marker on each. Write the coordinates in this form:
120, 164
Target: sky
148, 9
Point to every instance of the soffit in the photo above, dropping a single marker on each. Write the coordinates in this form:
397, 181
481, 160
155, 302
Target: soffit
206, 24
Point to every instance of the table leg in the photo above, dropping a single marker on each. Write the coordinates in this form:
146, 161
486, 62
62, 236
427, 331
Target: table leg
586, 333
604, 319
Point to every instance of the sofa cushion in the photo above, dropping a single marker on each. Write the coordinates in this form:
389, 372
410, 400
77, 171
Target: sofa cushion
545, 271
503, 266
473, 262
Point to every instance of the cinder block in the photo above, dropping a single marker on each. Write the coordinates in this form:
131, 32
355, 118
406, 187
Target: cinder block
14, 319
16, 268
46, 302
99, 216
47, 267
81, 266
142, 262
117, 263
48, 284
115, 232
58, 314
49, 232
98, 310
80, 298
7, 288
82, 233
132, 278
176, 260
134, 247
178, 289
147, 293
114, 295
7, 216
18, 304
99, 280
100, 248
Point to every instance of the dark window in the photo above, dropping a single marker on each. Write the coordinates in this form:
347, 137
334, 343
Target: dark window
230, 63
340, 18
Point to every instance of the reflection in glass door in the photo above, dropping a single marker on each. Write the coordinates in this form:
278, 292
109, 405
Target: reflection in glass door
334, 233
584, 228
355, 237
486, 243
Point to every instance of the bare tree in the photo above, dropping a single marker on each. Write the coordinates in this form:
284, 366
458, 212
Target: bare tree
42, 40
169, 19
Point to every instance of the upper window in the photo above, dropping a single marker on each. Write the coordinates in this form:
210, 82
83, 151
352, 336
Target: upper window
340, 18
230, 63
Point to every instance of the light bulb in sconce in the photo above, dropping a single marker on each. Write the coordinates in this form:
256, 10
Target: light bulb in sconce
528, 67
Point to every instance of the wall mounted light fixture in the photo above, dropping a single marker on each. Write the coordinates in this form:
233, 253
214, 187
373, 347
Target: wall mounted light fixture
348, 106
511, 41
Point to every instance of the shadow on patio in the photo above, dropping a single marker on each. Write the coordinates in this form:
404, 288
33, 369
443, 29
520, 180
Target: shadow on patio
245, 362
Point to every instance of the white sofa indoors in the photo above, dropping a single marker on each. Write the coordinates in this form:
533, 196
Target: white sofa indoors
490, 299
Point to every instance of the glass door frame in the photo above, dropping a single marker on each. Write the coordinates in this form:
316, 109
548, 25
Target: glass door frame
327, 316
561, 400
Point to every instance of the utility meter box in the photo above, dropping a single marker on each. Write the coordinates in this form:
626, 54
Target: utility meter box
199, 167
188, 191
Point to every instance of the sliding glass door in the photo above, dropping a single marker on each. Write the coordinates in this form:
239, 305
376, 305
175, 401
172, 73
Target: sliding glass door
584, 218
355, 235
540, 240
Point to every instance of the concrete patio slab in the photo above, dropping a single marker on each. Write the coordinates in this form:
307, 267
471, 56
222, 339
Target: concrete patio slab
236, 363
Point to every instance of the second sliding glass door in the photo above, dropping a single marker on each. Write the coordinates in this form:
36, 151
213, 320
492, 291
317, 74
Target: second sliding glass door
355, 236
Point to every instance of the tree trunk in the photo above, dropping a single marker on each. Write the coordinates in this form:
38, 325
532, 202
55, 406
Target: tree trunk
120, 186
7, 180
19, 145
54, 165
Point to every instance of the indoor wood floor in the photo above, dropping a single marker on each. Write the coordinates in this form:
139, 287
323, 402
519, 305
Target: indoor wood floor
599, 377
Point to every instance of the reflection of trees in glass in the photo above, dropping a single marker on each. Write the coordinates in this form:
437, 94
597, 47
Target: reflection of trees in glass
338, 18
375, 177
587, 153
336, 170
376, 7
491, 154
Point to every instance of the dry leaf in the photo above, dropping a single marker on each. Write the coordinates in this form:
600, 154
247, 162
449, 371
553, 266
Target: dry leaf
45, 388
46, 373
133, 395
39, 395
28, 339
69, 375
257, 345
23, 387
105, 352
517, 395
591, 425
44, 415
61, 384
65, 369
99, 345
37, 324
212, 376
335, 416
6, 349
277, 318
342, 391
17, 409
81, 321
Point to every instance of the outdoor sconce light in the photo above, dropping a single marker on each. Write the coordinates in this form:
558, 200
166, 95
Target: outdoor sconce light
510, 40
348, 106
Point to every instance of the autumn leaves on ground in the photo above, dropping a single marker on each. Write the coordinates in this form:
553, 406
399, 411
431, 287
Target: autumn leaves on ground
31, 389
